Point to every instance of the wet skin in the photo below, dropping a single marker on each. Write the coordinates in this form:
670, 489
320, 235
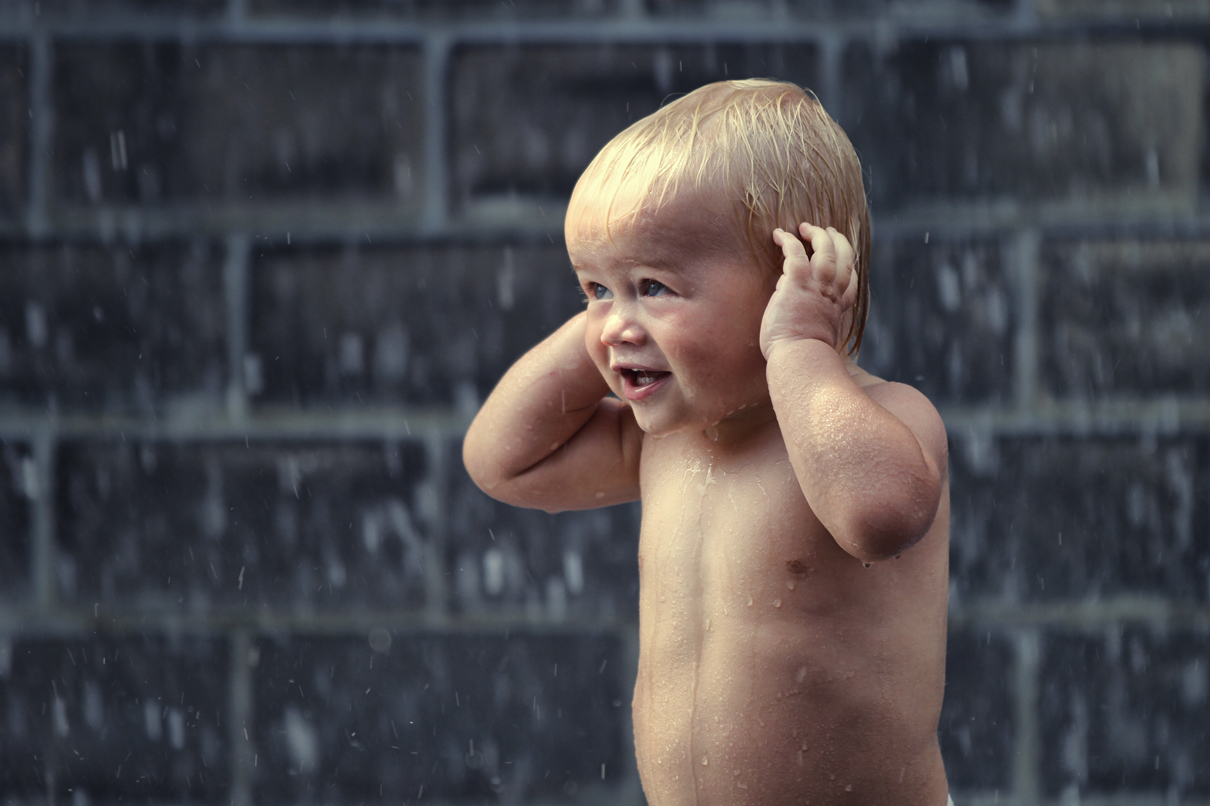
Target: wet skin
781, 661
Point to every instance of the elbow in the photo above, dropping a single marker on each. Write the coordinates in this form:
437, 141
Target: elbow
479, 464
492, 477
892, 524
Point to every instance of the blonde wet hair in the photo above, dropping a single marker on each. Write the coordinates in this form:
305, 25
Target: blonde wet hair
767, 146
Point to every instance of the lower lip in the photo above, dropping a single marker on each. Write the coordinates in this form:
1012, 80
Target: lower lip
639, 392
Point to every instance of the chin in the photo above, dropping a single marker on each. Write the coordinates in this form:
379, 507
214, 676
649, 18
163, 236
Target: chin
665, 427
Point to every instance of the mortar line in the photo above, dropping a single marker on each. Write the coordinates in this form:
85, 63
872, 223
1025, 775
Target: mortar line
631, 10
237, 12
41, 69
43, 532
1025, 718
1023, 264
829, 92
240, 727
235, 293
631, 23
435, 214
632, 787
1123, 417
1068, 620
436, 564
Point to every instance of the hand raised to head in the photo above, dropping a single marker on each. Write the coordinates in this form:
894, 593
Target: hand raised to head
813, 293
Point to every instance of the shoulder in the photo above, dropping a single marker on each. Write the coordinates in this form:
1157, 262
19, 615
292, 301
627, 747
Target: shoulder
918, 413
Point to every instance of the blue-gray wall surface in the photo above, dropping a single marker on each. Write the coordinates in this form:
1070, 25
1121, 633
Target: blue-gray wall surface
260, 261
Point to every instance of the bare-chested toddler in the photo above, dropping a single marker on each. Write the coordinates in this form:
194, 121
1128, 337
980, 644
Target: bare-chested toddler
793, 557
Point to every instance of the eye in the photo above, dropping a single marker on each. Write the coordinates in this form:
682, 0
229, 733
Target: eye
595, 291
654, 288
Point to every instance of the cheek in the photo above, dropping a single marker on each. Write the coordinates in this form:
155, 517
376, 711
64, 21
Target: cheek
597, 351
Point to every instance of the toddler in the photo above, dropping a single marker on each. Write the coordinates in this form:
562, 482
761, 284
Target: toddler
793, 557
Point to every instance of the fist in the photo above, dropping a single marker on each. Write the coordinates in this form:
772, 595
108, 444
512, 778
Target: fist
813, 293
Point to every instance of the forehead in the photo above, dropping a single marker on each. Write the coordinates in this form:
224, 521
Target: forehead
681, 221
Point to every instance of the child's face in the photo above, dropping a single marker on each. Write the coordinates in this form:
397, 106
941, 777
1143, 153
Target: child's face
674, 310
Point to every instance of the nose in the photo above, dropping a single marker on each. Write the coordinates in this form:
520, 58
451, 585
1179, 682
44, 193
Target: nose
621, 328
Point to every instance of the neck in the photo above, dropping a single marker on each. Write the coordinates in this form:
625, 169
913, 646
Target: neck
740, 426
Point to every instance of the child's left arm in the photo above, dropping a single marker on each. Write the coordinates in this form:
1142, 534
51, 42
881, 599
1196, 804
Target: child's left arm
871, 465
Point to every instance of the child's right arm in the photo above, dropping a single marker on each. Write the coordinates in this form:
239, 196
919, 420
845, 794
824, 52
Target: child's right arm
549, 437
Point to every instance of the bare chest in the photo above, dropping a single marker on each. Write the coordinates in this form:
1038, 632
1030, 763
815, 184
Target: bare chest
721, 528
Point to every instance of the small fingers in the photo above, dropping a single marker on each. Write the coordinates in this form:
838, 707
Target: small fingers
791, 247
849, 298
845, 257
846, 268
823, 251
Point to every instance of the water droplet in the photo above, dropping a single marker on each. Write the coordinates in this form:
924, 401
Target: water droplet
749, 600
705, 761
848, 788
866, 565
777, 602
707, 625
791, 584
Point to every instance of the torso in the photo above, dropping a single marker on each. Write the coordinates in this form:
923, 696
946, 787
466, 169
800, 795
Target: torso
774, 667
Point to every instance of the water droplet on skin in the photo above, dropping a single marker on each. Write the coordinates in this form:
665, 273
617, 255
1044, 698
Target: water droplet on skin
802, 674
777, 602
705, 761
791, 584
749, 600
707, 625
867, 565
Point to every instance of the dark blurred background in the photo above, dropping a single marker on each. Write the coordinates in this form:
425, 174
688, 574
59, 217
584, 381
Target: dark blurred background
260, 261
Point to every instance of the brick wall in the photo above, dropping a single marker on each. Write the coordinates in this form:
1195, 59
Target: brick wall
261, 260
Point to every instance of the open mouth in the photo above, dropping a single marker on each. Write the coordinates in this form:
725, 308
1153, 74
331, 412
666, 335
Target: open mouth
639, 383
642, 377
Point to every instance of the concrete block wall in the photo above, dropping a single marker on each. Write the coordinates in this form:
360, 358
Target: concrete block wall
261, 260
